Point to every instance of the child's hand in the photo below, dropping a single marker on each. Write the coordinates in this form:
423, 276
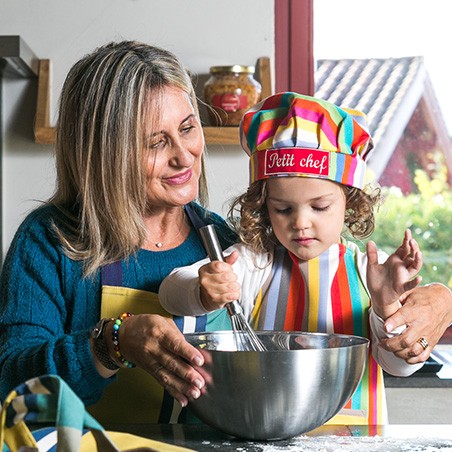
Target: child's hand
388, 281
218, 283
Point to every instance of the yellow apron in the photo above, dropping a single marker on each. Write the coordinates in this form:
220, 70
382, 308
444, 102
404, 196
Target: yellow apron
136, 397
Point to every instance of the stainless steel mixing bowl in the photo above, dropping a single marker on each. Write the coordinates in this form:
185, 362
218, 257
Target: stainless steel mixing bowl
303, 380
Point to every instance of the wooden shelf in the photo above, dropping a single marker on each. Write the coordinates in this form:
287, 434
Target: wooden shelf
45, 133
221, 135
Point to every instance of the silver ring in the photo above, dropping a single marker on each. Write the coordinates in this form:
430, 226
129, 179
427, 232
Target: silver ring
158, 369
423, 342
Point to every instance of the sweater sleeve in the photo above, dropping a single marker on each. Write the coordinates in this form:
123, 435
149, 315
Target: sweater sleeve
46, 313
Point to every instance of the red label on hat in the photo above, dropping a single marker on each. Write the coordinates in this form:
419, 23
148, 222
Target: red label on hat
295, 160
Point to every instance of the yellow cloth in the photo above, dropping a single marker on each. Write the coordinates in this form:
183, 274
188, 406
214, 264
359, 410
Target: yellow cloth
349, 417
128, 442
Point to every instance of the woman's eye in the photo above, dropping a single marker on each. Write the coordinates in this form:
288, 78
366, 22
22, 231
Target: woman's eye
157, 144
187, 129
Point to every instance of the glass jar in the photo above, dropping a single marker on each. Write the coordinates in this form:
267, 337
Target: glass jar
230, 92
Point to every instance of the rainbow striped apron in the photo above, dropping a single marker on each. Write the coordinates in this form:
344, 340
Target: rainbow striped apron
135, 396
325, 294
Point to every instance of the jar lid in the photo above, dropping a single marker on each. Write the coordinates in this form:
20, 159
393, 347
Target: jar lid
235, 68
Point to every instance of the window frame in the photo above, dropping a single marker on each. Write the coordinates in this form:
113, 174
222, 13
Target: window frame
294, 50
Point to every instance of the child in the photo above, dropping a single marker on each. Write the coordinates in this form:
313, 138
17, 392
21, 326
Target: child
294, 270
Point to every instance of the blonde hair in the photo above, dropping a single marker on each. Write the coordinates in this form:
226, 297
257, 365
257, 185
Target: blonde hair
101, 185
248, 215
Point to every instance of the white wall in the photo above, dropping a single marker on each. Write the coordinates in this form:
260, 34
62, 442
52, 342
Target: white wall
202, 33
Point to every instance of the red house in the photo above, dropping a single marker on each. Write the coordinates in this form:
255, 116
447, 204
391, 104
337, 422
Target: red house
405, 119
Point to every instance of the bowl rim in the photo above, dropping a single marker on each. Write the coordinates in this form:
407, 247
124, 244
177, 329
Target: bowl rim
360, 340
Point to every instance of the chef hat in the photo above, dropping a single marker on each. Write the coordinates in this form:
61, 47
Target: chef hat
289, 134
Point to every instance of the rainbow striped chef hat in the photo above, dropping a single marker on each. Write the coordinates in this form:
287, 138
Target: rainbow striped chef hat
289, 134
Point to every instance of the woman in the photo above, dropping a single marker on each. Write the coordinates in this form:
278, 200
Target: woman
129, 158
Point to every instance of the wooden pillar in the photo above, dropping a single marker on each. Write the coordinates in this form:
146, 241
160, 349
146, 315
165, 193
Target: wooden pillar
294, 54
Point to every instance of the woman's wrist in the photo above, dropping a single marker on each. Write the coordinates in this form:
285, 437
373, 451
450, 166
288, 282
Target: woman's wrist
105, 345
118, 355
384, 311
99, 338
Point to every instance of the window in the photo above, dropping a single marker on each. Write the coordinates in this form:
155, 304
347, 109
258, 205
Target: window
373, 57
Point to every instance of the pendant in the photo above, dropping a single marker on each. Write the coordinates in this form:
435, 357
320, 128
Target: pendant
159, 244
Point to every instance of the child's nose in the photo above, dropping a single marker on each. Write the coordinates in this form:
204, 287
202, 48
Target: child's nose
301, 222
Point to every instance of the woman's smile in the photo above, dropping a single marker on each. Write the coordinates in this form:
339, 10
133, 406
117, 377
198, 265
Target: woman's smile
180, 178
175, 151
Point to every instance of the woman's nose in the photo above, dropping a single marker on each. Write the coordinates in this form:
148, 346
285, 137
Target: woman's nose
181, 155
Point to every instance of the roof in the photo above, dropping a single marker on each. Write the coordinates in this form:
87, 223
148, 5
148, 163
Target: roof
386, 89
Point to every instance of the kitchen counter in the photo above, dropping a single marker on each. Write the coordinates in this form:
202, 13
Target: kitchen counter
390, 438
436, 373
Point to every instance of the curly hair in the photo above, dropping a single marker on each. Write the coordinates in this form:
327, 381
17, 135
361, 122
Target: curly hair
248, 214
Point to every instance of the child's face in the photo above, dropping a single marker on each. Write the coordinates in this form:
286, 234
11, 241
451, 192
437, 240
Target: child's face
307, 214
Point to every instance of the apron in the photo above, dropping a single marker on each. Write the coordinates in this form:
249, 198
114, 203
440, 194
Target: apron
135, 396
325, 295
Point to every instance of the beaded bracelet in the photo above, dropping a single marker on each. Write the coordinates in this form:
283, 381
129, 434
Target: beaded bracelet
115, 336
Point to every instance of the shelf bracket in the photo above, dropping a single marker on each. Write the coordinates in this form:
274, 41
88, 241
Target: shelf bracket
44, 132
265, 76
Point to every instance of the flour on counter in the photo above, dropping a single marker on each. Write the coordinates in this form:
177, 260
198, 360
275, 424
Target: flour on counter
360, 444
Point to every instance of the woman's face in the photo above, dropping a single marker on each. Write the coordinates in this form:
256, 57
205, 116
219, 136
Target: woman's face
173, 155
307, 214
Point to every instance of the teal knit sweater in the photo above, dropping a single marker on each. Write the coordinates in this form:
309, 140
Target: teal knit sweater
47, 307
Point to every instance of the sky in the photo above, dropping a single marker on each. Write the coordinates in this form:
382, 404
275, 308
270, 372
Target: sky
390, 28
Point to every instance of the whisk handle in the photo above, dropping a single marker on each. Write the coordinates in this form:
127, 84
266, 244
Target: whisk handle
234, 308
211, 242
213, 247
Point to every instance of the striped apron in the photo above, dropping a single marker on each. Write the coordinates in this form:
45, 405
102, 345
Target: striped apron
326, 295
135, 396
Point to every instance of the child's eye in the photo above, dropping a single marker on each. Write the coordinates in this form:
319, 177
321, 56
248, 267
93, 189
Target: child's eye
320, 208
283, 211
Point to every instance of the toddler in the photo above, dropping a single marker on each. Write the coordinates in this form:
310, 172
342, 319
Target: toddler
293, 270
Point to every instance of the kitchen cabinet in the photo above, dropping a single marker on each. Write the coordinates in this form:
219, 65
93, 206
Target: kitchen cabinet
45, 132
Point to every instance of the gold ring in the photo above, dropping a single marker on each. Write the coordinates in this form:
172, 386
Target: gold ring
423, 342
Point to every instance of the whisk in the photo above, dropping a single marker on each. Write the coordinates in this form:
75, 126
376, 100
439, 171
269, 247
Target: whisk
245, 337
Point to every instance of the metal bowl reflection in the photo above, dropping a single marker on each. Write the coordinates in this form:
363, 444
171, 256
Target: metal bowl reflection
302, 381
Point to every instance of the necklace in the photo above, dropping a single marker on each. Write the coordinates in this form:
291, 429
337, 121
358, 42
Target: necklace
160, 244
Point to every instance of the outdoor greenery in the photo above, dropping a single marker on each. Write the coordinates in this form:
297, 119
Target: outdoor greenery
428, 214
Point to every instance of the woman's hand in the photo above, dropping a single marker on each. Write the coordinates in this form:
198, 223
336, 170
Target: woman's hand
218, 283
427, 312
154, 343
